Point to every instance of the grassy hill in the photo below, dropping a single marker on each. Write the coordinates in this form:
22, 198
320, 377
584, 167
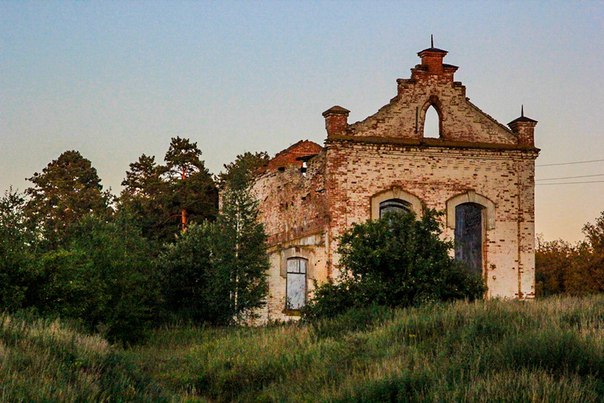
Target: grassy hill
547, 350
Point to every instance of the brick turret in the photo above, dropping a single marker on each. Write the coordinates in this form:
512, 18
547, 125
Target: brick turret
524, 128
432, 64
336, 120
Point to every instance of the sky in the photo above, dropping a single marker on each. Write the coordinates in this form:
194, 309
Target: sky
114, 80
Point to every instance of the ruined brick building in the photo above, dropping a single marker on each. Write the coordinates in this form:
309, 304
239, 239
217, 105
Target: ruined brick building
480, 172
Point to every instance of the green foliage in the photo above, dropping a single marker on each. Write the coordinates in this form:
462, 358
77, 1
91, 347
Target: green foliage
17, 252
193, 287
239, 173
241, 247
216, 272
146, 197
575, 269
164, 199
397, 261
66, 190
483, 351
103, 277
193, 194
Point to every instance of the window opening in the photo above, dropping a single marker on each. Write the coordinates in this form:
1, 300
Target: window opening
432, 123
296, 283
394, 205
469, 234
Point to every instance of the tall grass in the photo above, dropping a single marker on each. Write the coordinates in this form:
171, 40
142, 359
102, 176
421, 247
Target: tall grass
45, 360
550, 350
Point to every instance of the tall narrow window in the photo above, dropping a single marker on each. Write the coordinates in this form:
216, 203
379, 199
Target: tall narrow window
296, 283
469, 234
432, 123
394, 205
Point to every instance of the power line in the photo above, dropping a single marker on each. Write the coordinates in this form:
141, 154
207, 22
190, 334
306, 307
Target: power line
569, 177
570, 163
566, 183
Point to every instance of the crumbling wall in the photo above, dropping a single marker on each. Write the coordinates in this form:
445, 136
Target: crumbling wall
294, 213
357, 171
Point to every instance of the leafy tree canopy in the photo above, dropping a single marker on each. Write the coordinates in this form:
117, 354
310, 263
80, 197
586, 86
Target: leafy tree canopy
216, 271
239, 173
65, 191
17, 252
166, 198
103, 277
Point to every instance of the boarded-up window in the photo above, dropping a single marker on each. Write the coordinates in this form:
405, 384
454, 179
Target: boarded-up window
469, 229
296, 283
394, 205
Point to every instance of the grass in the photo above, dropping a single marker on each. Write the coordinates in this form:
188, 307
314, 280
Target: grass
45, 360
550, 350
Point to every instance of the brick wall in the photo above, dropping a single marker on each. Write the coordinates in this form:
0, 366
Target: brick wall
475, 157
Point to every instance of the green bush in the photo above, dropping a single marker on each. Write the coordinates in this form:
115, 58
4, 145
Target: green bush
104, 277
397, 261
17, 246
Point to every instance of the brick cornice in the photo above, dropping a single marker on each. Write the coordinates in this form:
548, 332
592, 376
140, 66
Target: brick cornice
429, 142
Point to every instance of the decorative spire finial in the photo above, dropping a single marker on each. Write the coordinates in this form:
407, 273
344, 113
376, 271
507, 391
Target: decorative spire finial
522, 110
431, 40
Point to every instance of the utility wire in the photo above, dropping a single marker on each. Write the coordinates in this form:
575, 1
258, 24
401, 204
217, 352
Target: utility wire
569, 177
566, 183
570, 163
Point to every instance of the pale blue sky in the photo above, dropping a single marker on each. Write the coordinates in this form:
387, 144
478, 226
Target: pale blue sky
118, 79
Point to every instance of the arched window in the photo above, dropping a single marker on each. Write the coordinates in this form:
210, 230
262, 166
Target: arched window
394, 205
432, 123
469, 235
295, 288
394, 198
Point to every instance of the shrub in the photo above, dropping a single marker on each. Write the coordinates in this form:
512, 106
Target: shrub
397, 261
104, 277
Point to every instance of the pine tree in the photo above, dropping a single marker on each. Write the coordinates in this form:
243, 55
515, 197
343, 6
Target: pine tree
195, 196
147, 197
66, 190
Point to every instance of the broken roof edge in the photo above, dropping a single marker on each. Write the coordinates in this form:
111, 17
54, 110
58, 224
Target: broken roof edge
294, 154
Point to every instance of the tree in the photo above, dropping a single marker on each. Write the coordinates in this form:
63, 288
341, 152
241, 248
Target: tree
195, 196
216, 272
17, 252
552, 261
242, 251
575, 269
103, 277
239, 173
66, 190
396, 261
147, 197
595, 237
193, 287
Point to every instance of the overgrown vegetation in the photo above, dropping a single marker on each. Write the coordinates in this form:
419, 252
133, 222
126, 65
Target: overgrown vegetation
46, 360
572, 269
484, 351
92, 288
160, 253
549, 350
397, 261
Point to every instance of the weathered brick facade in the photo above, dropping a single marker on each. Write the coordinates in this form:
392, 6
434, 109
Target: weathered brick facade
310, 194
